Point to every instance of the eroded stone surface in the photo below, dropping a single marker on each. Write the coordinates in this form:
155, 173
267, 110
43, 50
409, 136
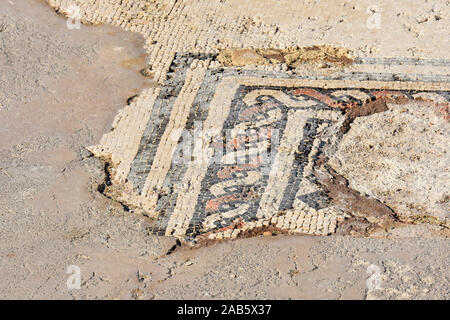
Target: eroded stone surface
401, 157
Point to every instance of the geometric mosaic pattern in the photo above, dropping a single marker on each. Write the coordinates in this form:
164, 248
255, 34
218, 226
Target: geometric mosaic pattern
226, 150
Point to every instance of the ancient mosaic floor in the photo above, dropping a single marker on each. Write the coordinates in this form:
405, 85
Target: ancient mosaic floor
235, 140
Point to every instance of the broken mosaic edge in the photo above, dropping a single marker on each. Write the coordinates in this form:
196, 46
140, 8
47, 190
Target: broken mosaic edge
188, 65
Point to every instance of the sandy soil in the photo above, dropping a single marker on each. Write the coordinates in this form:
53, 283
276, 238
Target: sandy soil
59, 92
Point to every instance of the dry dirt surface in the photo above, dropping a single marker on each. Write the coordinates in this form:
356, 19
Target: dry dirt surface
60, 92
